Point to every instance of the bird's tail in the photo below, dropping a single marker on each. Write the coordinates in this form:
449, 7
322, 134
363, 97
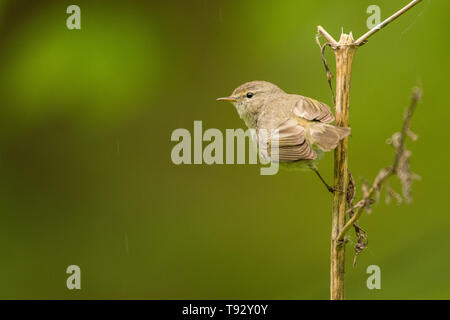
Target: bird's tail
326, 136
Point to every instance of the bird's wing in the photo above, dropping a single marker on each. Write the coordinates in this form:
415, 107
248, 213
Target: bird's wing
292, 145
311, 109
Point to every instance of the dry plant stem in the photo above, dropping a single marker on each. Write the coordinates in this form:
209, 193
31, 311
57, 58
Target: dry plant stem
384, 23
363, 39
327, 36
386, 172
344, 53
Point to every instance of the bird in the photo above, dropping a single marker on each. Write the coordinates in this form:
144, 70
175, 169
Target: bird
303, 124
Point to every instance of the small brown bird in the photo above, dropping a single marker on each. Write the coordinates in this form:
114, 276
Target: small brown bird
303, 123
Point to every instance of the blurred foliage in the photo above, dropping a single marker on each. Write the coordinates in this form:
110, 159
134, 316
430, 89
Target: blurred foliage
86, 177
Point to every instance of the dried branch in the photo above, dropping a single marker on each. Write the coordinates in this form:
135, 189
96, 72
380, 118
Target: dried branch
344, 54
327, 36
361, 235
327, 69
363, 39
400, 167
344, 51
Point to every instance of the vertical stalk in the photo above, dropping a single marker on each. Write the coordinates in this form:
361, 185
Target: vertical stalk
344, 54
344, 51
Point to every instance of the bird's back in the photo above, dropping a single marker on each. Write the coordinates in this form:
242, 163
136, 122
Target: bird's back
280, 108
303, 126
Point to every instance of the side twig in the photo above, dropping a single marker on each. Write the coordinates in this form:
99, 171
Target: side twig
327, 69
363, 39
399, 167
334, 44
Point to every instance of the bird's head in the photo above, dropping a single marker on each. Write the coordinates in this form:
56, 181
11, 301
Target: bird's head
250, 97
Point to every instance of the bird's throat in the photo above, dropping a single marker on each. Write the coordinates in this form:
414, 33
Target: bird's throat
248, 117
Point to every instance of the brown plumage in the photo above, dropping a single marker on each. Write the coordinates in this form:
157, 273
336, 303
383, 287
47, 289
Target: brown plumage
303, 123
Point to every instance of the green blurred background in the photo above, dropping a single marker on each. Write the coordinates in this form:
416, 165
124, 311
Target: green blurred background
86, 176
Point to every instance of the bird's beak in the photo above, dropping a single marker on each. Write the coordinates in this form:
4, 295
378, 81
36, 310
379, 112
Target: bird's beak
231, 99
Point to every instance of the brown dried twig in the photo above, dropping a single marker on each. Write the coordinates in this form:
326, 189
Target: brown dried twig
344, 52
361, 235
327, 69
400, 168
363, 39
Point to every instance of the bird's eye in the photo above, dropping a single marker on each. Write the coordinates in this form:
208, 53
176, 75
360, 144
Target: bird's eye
249, 95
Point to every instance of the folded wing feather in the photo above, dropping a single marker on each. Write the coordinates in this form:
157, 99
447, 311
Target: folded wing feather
313, 110
292, 145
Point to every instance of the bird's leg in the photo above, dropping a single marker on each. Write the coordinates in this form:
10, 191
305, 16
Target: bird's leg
329, 188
